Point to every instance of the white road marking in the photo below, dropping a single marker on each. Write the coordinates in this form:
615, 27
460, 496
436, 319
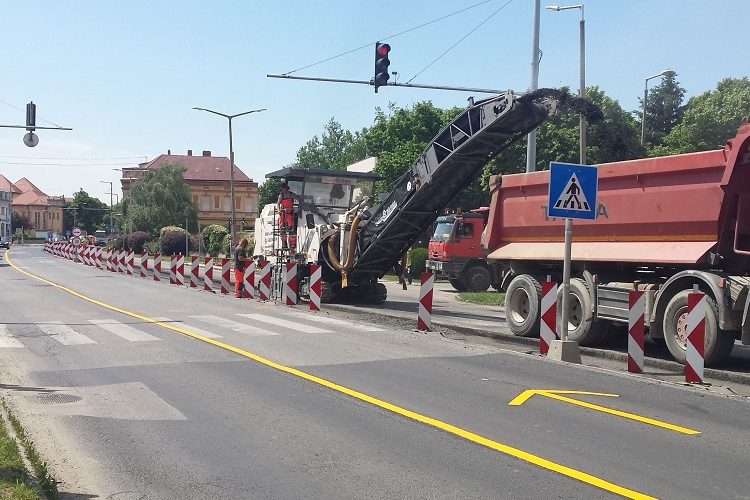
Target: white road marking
289, 325
322, 318
8, 340
122, 330
64, 334
233, 325
185, 326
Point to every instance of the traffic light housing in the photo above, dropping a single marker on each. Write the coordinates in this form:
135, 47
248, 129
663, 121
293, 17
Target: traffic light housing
381, 64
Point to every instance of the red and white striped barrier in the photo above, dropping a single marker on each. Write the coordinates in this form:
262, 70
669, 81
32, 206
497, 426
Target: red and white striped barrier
316, 277
424, 316
194, 272
179, 270
547, 329
157, 266
695, 345
636, 330
290, 284
144, 264
129, 262
208, 274
226, 282
98, 258
173, 269
121, 261
249, 279
264, 286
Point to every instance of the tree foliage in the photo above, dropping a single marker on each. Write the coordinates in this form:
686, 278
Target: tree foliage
86, 212
335, 150
664, 109
162, 199
20, 220
709, 119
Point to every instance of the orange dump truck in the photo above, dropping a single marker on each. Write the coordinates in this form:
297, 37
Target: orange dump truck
663, 225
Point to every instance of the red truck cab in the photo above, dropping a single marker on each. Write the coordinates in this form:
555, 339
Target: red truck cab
455, 251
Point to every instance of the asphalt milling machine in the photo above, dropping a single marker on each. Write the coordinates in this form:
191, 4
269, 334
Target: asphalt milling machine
357, 237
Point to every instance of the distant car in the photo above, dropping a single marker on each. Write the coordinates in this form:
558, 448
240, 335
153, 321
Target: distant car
4, 242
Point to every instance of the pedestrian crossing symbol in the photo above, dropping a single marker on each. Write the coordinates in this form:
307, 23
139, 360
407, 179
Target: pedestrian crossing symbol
572, 191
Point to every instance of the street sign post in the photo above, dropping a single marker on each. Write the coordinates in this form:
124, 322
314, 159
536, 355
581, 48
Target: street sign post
572, 195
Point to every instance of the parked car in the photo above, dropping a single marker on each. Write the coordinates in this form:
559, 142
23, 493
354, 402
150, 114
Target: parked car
4, 242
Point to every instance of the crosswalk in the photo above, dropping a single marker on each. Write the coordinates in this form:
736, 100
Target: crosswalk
15, 336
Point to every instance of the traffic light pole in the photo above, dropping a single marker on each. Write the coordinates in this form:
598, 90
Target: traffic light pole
394, 84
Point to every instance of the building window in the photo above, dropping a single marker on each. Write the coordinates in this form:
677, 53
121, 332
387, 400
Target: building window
195, 199
227, 204
206, 203
216, 203
238, 203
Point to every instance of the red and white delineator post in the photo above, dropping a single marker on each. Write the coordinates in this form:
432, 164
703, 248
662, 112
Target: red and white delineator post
249, 280
121, 262
194, 272
290, 284
173, 269
179, 270
157, 266
424, 316
130, 261
547, 330
264, 285
695, 345
208, 274
636, 330
316, 278
144, 264
226, 282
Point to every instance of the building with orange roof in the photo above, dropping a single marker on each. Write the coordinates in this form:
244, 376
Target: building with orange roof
45, 212
208, 178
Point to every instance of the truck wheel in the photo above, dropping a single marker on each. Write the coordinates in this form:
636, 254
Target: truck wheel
717, 345
581, 324
522, 305
458, 284
477, 279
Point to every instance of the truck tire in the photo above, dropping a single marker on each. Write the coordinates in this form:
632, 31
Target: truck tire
718, 343
477, 279
581, 324
522, 305
458, 284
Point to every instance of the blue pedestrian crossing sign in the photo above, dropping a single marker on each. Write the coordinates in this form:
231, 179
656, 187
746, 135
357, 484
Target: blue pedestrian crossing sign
572, 191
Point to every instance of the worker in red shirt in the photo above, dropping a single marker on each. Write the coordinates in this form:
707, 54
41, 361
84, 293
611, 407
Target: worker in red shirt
285, 207
240, 261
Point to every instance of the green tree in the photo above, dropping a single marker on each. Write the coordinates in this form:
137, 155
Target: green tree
335, 150
664, 109
162, 199
709, 119
90, 213
268, 192
20, 220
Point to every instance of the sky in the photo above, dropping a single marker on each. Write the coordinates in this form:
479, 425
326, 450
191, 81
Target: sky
126, 75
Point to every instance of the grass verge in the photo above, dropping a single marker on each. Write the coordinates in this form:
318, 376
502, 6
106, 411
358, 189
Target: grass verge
483, 298
16, 482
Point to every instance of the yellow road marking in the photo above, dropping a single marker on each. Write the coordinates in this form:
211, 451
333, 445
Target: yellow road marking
470, 436
554, 394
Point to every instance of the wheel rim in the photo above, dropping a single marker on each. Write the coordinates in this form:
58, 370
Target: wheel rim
519, 303
575, 313
681, 332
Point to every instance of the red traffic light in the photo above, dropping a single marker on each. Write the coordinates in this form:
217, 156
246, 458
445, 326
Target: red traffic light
382, 49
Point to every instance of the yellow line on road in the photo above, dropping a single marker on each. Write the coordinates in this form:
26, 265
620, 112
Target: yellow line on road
475, 438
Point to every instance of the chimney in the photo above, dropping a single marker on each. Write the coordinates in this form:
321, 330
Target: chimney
207, 153
169, 152
190, 152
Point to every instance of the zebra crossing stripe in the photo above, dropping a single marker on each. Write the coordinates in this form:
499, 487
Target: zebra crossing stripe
235, 326
8, 340
185, 326
291, 325
124, 331
327, 320
64, 334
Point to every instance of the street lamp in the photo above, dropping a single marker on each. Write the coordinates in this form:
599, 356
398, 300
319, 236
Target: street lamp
111, 216
231, 158
582, 70
645, 96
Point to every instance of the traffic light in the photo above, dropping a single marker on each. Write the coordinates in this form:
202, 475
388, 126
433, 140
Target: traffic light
381, 64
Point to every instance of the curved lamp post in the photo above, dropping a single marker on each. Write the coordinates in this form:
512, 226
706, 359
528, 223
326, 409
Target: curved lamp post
645, 96
231, 158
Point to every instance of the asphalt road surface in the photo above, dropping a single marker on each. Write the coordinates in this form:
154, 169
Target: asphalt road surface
133, 389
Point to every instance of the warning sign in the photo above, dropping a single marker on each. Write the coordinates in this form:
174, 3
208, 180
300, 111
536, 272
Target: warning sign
572, 191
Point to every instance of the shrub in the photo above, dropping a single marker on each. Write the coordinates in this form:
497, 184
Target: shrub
215, 239
172, 242
169, 229
418, 260
138, 240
